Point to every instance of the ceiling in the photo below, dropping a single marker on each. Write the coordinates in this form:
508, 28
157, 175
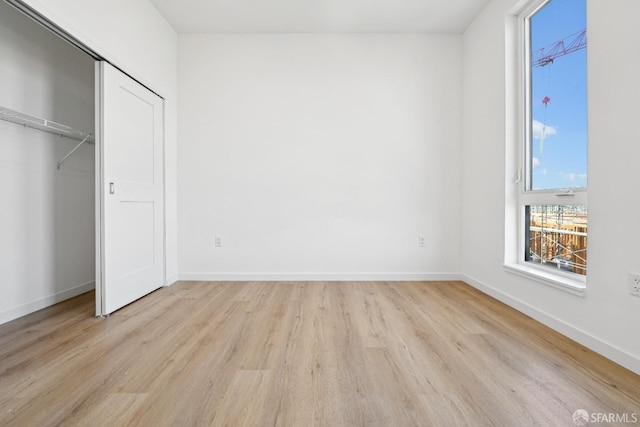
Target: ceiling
319, 16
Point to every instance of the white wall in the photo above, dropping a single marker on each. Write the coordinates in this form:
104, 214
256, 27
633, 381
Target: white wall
607, 318
47, 216
135, 37
319, 156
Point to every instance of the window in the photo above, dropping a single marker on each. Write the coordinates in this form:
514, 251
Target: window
553, 193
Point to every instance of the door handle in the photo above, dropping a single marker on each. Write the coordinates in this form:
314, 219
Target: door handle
112, 188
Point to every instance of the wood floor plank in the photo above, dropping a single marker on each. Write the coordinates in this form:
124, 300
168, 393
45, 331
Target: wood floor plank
236, 410
302, 354
114, 409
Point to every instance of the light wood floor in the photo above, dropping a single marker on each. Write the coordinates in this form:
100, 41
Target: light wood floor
301, 354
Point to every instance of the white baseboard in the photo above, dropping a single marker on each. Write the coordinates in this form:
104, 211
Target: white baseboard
332, 277
30, 307
601, 347
172, 279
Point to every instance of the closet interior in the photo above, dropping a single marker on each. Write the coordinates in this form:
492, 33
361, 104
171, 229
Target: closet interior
47, 167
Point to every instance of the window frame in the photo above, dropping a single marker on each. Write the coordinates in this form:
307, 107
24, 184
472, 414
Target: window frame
522, 138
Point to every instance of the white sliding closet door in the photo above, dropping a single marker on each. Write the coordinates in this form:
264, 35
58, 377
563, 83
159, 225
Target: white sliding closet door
131, 190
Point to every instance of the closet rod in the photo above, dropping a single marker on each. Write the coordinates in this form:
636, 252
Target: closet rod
49, 126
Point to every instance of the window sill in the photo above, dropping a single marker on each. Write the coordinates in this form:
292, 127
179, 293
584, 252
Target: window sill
549, 278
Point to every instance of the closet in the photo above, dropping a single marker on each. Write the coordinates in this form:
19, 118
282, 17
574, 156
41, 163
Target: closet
47, 167
81, 172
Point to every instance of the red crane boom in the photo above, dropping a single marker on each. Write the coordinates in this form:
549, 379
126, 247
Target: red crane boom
572, 43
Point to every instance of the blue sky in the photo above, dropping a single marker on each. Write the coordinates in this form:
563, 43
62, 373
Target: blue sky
563, 161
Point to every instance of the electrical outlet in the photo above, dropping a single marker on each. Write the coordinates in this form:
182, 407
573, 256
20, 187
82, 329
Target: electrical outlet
218, 241
634, 284
422, 242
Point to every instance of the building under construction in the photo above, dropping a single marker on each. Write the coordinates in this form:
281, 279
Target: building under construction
558, 237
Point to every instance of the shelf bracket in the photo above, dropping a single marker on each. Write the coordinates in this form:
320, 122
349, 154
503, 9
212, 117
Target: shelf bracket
61, 161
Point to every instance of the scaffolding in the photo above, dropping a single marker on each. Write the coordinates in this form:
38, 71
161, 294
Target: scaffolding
558, 237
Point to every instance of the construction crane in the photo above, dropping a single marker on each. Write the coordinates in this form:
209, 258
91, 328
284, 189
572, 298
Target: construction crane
546, 55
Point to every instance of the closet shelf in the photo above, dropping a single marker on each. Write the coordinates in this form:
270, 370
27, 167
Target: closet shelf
49, 126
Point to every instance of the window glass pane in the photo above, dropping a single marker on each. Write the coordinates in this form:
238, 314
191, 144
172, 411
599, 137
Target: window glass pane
558, 77
557, 237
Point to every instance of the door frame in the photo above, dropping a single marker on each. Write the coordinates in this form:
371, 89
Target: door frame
66, 34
